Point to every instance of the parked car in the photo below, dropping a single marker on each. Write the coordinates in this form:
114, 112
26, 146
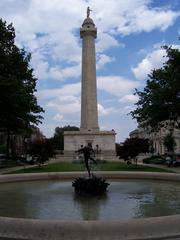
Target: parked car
169, 160
172, 161
3, 160
176, 163
3, 157
22, 160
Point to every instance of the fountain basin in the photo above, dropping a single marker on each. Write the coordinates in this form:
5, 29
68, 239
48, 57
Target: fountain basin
146, 228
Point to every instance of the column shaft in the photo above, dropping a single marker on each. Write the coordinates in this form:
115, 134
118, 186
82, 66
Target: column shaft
89, 114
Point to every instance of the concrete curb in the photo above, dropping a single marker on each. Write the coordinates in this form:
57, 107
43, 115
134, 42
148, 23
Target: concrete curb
151, 228
71, 175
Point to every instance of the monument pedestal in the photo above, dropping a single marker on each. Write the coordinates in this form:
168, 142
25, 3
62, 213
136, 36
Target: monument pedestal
102, 141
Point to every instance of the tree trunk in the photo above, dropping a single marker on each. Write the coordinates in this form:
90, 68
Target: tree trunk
136, 161
8, 143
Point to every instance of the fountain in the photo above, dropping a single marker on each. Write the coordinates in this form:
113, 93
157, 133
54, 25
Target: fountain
44, 206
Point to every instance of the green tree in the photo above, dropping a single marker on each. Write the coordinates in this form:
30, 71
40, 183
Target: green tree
42, 149
159, 103
59, 135
169, 142
132, 147
18, 104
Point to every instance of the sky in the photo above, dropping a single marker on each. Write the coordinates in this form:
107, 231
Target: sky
128, 47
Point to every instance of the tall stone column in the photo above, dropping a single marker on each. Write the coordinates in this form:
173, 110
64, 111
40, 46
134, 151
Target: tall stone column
89, 114
89, 129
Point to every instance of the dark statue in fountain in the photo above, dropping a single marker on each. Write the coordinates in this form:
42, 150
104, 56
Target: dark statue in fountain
87, 152
92, 185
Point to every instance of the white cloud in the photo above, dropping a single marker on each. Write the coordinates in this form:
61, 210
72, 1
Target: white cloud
144, 19
65, 105
102, 111
129, 16
153, 60
58, 117
126, 109
116, 85
130, 98
43, 71
61, 74
106, 41
73, 89
103, 60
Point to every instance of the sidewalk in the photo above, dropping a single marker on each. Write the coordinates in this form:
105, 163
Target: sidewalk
173, 169
11, 169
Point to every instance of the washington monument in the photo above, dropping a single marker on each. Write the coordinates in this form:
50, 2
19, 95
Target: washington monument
89, 115
89, 127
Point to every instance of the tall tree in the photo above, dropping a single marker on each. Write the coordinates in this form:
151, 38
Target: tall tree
18, 104
159, 103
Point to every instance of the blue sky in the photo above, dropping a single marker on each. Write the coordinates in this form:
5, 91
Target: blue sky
128, 46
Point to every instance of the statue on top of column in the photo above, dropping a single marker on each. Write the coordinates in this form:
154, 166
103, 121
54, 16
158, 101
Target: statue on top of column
88, 11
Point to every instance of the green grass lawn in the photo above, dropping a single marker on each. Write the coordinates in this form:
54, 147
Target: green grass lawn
109, 166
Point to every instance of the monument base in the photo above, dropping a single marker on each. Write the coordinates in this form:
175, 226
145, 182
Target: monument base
101, 141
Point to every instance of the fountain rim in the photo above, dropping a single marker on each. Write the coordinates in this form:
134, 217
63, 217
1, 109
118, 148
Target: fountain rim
146, 228
5, 178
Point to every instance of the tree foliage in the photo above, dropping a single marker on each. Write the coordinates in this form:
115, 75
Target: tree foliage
169, 142
159, 103
59, 135
18, 103
132, 147
42, 149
